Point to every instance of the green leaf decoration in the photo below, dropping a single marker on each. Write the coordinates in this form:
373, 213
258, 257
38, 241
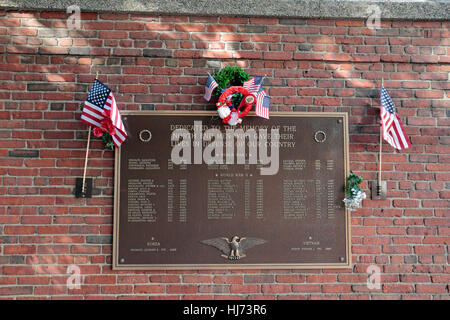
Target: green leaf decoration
353, 185
230, 76
108, 141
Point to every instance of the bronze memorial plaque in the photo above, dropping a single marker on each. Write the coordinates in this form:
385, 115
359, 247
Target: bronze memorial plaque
192, 193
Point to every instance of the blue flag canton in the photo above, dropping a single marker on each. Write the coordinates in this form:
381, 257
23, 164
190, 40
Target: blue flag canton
258, 80
266, 102
210, 81
98, 94
386, 101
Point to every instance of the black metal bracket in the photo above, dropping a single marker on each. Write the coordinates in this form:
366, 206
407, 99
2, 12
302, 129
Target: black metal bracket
379, 191
87, 191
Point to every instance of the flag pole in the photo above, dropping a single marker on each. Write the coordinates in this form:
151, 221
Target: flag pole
83, 189
85, 161
381, 144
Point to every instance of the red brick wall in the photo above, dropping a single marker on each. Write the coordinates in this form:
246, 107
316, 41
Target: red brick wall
160, 62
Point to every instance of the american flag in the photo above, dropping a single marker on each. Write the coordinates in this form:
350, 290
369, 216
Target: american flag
211, 84
262, 104
254, 84
100, 105
393, 131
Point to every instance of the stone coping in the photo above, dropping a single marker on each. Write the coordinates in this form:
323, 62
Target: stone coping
339, 9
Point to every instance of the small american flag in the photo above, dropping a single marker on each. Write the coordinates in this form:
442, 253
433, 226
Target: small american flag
262, 104
211, 84
100, 107
393, 131
253, 84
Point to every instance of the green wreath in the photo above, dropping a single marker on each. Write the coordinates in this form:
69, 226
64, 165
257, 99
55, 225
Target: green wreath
228, 77
108, 141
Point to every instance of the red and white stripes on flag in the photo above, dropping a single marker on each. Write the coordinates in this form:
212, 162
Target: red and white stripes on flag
253, 84
262, 104
100, 111
210, 85
393, 131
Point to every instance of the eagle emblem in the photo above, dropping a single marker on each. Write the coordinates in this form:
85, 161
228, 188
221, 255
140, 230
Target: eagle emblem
235, 248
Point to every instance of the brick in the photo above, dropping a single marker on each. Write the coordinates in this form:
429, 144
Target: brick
106, 239
306, 288
165, 279
22, 249
132, 279
18, 270
181, 289
23, 153
247, 288
320, 278
440, 278
402, 203
275, 288
221, 28
34, 280
16, 291
148, 289
290, 278
213, 289
197, 279
20, 229
429, 249
391, 230
120, 289
190, 27
158, 53
52, 229
252, 29
398, 288
431, 288
336, 288
129, 26
258, 278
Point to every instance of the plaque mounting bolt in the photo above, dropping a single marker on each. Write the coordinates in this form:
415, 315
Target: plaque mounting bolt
122, 260
341, 259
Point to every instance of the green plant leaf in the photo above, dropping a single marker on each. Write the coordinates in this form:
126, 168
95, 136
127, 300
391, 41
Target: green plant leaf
229, 76
108, 141
353, 185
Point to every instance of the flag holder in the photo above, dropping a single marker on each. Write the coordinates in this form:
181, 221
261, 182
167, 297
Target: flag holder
83, 186
379, 188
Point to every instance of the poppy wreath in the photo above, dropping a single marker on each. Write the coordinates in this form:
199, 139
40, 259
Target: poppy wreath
233, 115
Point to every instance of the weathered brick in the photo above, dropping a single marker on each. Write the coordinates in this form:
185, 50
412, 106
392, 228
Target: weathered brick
106, 239
160, 53
23, 153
